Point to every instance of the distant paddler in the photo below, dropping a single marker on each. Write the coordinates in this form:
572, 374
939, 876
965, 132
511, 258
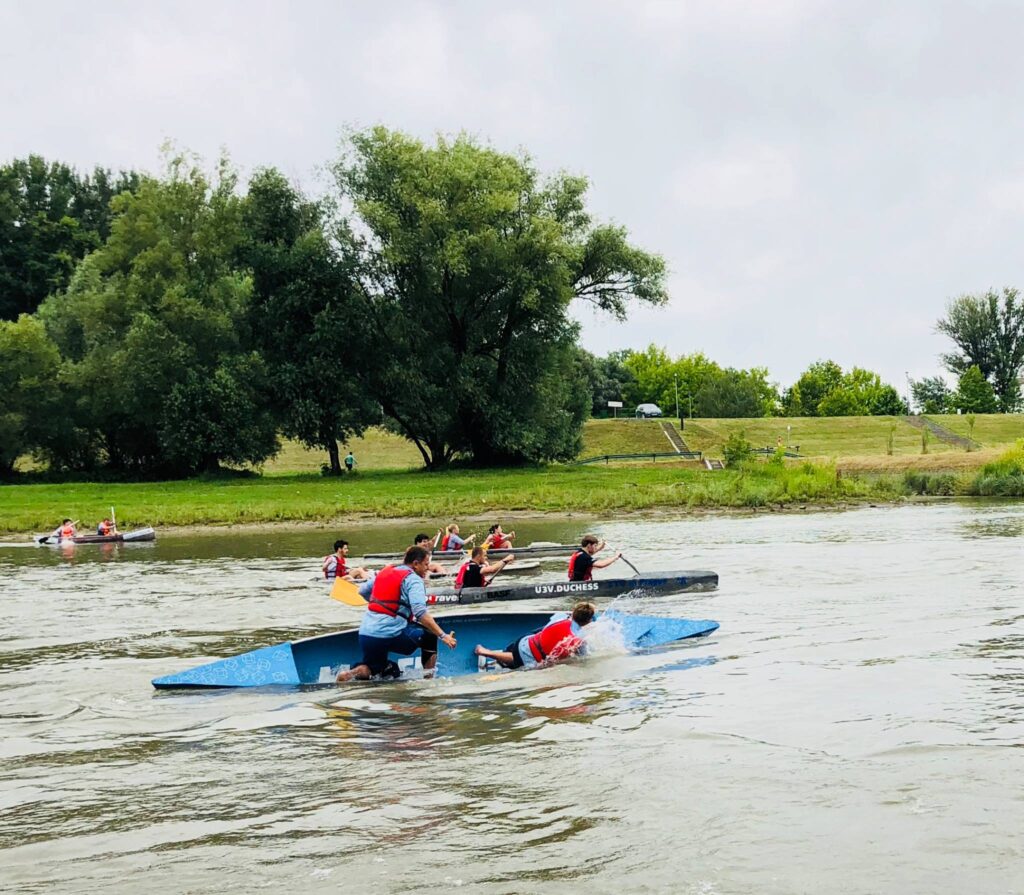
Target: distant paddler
452, 541
582, 562
397, 620
65, 531
555, 642
426, 542
475, 573
106, 528
335, 565
498, 539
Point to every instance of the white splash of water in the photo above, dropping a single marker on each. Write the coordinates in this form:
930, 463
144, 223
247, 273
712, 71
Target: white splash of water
604, 636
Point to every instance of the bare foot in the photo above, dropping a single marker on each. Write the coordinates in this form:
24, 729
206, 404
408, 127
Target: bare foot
478, 650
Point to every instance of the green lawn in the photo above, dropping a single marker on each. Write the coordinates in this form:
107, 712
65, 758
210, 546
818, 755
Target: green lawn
623, 436
990, 429
439, 496
841, 436
380, 449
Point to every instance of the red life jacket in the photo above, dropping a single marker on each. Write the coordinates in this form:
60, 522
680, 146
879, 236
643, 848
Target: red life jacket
461, 577
444, 542
104, 528
500, 542
386, 596
340, 568
67, 531
556, 641
572, 566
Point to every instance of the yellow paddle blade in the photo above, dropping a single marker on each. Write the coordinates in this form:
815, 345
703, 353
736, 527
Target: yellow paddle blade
346, 592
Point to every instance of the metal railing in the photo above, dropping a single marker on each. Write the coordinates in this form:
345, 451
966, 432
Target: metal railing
653, 457
767, 452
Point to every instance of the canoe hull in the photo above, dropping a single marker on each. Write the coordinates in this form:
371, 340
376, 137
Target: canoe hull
316, 660
126, 537
659, 583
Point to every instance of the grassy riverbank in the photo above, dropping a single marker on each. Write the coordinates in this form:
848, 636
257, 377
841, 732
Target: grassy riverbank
438, 496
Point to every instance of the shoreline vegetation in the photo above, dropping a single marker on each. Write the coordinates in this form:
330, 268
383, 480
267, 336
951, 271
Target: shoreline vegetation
858, 469
463, 494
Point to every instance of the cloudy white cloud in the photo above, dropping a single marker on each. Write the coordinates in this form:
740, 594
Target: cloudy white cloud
820, 176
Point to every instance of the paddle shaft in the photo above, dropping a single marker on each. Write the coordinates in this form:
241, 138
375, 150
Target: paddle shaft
636, 571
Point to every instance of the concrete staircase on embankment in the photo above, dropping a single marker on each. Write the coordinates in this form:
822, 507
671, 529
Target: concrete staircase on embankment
674, 438
713, 464
941, 432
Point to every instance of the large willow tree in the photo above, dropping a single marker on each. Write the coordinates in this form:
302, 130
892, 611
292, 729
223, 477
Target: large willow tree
464, 263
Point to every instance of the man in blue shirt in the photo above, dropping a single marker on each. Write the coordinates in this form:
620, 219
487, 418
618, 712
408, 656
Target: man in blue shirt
396, 619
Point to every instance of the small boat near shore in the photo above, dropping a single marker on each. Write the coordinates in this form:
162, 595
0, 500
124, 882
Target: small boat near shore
653, 584
317, 660
534, 551
126, 537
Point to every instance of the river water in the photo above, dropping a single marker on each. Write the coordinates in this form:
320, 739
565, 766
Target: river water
855, 725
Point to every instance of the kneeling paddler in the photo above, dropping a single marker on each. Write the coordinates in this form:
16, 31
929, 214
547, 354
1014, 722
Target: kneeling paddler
582, 562
555, 642
474, 573
397, 620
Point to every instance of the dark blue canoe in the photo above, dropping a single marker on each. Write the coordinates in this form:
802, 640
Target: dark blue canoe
317, 660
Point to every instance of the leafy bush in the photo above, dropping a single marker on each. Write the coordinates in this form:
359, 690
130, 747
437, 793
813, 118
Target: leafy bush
935, 484
737, 449
1003, 477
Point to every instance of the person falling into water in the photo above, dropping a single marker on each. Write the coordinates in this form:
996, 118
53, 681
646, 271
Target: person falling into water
335, 565
555, 642
474, 573
582, 562
397, 621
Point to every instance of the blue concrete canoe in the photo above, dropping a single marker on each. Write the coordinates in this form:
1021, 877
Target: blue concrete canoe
317, 660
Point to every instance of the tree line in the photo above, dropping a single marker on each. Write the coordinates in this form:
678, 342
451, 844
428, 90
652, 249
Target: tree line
987, 331
427, 292
166, 325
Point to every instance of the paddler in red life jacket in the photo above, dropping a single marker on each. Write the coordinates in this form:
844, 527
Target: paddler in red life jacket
498, 539
582, 562
397, 620
106, 528
427, 543
451, 539
65, 531
557, 641
474, 573
336, 564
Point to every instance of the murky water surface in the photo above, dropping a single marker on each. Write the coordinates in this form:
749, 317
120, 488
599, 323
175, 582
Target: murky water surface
854, 726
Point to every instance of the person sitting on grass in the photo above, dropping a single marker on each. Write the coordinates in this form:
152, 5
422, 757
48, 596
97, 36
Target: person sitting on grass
555, 642
336, 565
397, 621
474, 573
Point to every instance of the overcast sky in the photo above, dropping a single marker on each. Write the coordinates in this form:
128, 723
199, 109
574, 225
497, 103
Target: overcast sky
821, 177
